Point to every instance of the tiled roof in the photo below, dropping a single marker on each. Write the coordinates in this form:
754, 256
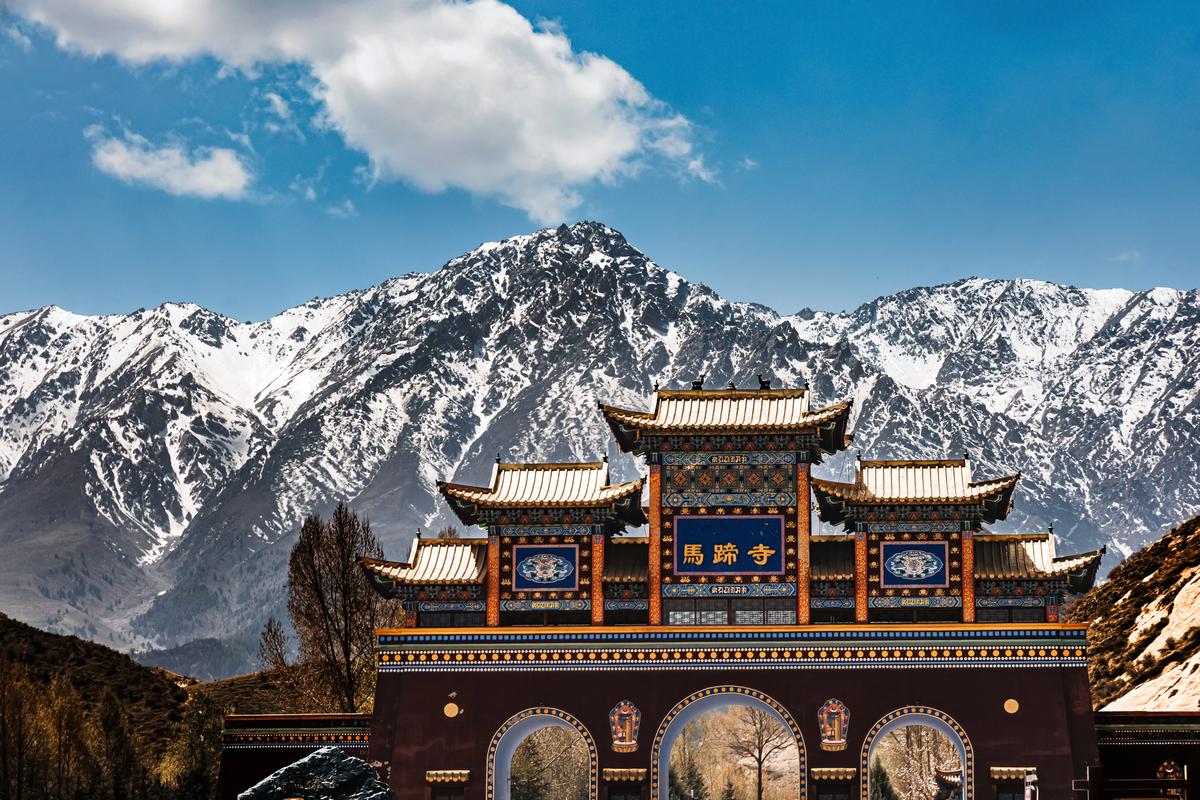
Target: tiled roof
444, 561
832, 558
626, 560
727, 410
933, 481
1029, 555
544, 485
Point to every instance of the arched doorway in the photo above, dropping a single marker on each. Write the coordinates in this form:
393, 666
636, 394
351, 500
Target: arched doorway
917, 753
766, 718
515, 731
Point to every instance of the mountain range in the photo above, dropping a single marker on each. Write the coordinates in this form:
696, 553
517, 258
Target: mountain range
154, 466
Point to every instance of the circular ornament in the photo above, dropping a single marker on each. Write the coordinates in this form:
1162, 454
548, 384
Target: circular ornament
544, 568
913, 565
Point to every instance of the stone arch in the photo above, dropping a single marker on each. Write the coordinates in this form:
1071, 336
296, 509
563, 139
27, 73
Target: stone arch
514, 731
712, 698
919, 715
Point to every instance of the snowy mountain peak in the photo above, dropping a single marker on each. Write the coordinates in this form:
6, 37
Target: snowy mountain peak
177, 449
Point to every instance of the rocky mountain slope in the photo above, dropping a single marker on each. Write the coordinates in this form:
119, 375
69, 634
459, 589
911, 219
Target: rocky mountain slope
1145, 627
154, 466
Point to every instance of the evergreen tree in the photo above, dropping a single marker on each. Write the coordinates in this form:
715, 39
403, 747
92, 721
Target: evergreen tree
527, 775
881, 784
191, 761
728, 794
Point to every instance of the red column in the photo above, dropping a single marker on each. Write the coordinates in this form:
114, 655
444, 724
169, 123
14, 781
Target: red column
860, 576
598, 579
803, 541
493, 581
654, 582
968, 575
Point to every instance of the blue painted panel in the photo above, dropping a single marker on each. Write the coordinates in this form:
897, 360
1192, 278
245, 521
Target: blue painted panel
906, 564
545, 567
729, 545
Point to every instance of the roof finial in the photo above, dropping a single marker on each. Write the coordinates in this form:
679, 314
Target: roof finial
497, 457
656, 384
606, 458
1051, 528
966, 455
763, 384
731, 385
697, 385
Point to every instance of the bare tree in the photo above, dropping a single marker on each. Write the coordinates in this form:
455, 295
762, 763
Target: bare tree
758, 737
334, 612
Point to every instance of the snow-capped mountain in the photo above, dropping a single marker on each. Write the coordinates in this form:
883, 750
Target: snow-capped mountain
155, 465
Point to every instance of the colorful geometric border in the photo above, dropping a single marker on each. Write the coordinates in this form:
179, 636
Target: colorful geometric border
555, 713
742, 691
919, 711
275, 738
729, 589
718, 656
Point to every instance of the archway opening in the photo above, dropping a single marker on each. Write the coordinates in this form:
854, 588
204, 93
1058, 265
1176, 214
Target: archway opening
915, 760
730, 746
551, 763
542, 754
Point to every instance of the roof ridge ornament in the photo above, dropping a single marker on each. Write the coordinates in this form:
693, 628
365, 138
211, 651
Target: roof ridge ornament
698, 385
763, 384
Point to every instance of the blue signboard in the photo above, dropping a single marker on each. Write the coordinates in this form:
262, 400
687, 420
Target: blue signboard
726, 545
908, 564
545, 567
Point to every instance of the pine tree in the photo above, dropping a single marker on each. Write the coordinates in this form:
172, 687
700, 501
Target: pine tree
881, 784
728, 794
527, 775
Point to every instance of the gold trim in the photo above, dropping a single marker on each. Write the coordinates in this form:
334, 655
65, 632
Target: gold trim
833, 773
613, 774
1011, 773
447, 776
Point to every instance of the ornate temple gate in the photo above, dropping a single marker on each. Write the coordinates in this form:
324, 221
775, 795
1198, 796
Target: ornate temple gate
1018, 695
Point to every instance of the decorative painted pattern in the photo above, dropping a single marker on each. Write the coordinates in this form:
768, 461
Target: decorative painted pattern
1010, 602
626, 605
726, 499
736, 691
543, 711
914, 527
450, 605
729, 590
918, 712
915, 602
831, 602
545, 605
546, 530
724, 458
764, 656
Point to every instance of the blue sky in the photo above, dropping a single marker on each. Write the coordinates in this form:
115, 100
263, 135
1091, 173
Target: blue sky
793, 154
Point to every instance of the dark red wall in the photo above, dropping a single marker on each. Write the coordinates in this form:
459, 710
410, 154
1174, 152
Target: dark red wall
1052, 731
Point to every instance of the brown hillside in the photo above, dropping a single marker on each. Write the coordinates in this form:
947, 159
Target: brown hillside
1149, 578
151, 697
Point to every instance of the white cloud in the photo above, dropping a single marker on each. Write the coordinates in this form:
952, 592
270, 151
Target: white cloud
208, 172
342, 210
278, 105
19, 38
466, 95
1126, 257
749, 163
